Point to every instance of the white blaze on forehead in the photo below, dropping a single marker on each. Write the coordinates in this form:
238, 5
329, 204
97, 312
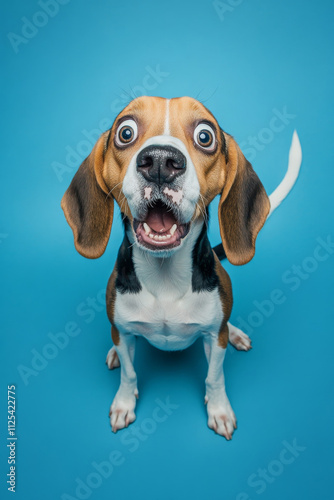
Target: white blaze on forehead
175, 195
166, 129
148, 192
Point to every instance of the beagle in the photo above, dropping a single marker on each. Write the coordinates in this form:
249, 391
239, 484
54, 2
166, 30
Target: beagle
164, 161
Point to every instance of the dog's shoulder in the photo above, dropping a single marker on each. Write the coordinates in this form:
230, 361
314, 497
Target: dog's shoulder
123, 279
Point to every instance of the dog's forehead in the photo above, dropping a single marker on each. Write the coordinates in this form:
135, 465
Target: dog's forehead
160, 115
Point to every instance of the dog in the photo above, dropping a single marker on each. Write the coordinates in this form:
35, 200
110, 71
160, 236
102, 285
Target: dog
164, 161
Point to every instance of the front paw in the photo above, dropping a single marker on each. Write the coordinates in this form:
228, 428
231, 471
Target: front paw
221, 416
122, 410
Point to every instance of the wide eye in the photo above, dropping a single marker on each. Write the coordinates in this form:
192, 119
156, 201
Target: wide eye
126, 133
204, 137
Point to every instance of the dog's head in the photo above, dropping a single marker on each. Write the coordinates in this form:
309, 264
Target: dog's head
164, 161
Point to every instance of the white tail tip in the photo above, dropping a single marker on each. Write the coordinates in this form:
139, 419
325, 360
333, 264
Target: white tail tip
284, 188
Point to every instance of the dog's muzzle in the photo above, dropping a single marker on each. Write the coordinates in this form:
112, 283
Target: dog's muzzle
161, 164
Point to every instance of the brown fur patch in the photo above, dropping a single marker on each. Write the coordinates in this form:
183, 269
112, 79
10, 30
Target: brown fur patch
114, 335
243, 208
110, 300
226, 297
87, 208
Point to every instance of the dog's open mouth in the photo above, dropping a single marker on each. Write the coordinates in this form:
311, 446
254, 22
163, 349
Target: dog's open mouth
160, 230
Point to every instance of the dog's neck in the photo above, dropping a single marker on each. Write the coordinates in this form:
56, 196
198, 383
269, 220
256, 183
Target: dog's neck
173, 271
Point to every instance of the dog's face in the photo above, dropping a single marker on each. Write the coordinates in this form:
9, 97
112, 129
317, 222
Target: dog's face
164, 161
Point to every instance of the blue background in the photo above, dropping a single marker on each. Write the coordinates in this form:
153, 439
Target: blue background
77, 70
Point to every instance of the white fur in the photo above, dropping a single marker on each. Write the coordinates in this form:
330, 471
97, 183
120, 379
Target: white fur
122, 408
166, 127
284, 188
166, 311
238, 338
221, 417
112, 359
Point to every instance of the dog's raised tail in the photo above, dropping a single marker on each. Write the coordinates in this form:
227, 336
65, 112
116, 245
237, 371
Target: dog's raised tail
284, 188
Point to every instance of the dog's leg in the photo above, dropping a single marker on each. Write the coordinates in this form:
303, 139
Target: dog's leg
122, 408
238, 338
221, 416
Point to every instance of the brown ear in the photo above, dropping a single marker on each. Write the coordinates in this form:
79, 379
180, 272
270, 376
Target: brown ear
87, 207
243, 207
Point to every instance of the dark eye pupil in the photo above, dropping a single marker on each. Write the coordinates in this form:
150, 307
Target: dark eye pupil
126, 133
204, 137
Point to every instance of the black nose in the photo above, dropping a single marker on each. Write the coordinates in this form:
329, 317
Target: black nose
161, 164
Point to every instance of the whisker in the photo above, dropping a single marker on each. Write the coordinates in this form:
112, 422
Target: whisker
113, 189
204, 215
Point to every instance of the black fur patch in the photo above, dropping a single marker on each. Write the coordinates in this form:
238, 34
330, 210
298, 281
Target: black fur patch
126, 281
204, 277
224, 145
219, 251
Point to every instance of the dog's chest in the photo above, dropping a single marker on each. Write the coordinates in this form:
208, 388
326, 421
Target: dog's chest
167, 320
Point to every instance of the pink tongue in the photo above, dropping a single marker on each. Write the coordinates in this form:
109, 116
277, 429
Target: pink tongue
160, 219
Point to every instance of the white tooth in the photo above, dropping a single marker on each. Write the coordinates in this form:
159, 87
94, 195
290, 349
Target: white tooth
168, 236
173, 229
151, 235
147, 228
156, 237
164, 237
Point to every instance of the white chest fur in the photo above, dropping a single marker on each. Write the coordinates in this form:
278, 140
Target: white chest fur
167, 323
166, 311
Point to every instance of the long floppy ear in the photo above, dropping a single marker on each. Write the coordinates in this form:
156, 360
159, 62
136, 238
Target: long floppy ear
243, 207
87, 207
